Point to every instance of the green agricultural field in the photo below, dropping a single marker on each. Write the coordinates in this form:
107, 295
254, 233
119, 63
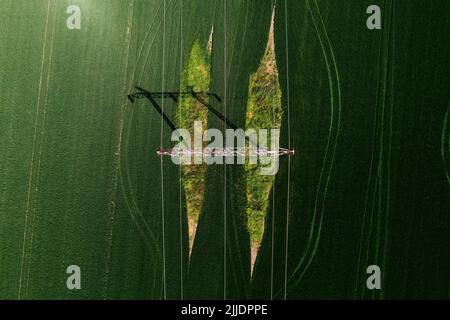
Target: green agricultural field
366, 112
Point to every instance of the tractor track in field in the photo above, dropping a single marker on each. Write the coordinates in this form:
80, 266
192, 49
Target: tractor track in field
35, 143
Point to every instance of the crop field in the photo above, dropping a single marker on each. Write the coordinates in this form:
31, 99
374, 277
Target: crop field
366, 112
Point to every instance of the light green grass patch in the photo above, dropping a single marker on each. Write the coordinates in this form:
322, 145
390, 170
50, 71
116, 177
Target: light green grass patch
196, 76
263, 112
